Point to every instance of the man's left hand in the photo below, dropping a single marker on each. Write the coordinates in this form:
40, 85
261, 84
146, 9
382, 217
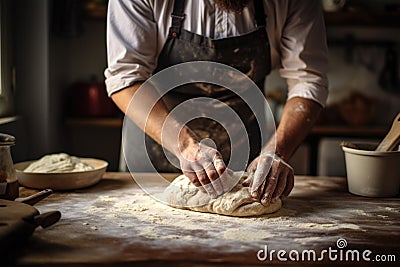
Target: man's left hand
270, 178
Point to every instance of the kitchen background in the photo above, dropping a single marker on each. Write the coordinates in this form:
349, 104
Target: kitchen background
53, 55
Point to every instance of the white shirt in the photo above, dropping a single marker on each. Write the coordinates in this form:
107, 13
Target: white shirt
138, 29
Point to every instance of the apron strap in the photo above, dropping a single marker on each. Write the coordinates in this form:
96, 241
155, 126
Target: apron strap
260, 15
177, 18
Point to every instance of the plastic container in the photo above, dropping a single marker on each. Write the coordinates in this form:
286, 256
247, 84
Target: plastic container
371, 173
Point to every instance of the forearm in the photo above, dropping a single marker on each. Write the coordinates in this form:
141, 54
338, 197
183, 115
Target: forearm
149, 112
298, 117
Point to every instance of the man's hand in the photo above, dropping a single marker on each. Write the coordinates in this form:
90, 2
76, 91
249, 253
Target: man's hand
205, 168
270, 178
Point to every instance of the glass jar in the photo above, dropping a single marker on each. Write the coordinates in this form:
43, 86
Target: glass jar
8, 177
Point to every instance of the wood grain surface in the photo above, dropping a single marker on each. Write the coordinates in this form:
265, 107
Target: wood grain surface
114, 223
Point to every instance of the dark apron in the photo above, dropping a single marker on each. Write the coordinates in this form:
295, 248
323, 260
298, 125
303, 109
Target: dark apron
249, 53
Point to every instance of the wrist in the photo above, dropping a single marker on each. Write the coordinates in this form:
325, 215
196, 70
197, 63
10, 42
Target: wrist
186, 141
275, 151
281, 155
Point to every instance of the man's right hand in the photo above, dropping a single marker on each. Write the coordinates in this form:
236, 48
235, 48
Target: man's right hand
205, 168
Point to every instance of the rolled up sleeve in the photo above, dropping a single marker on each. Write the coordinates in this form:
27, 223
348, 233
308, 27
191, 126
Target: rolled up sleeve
131, 43
304, 52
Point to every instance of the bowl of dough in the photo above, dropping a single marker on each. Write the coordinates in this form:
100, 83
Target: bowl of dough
60, 172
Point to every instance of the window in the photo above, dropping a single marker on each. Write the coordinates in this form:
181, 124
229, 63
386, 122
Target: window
6, 55
1, 49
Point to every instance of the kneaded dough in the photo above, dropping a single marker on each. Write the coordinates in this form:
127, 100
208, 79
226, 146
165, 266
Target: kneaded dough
58, 163
181, 193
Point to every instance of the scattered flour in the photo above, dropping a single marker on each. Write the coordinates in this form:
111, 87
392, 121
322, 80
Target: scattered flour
305, 240
94, 210
108, 199
392, 209
326, 226
247, 235
152, 232
145, 217
360, 212
140, 208
382, 216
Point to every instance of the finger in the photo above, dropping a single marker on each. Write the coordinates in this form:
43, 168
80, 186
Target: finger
252, 166
213, 177
272, 181
219, 163
257, 185
248, 180
205, 182
228, 180
218, 188
289, 183
263, 167
191, 175
260, 175
280, 187
256, 193
222, 171
210, 190
250, 172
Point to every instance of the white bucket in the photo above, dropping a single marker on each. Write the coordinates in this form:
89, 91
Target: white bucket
372, 173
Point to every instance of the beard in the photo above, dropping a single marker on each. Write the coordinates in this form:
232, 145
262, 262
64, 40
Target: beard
236, 6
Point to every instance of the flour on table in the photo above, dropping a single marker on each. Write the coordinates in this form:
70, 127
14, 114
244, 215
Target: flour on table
392, 209
326, 226
181, 193
382, 216
360, 212
247, 235
154, 233
305, 240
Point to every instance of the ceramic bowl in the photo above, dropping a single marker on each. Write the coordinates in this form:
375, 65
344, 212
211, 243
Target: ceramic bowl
62, 180
371, 173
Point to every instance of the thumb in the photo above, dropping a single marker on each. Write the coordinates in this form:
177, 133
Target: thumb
253, 166
249, 179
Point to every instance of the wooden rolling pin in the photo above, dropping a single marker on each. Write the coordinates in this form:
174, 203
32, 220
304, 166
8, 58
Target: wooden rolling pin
392, 139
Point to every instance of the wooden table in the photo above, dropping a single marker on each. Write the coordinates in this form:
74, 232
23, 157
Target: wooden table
114, 223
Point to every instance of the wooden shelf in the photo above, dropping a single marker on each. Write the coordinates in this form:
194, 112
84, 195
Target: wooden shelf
95, 122
349, 131
5, 120
366, 19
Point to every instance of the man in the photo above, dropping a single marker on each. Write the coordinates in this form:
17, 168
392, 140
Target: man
253, 36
